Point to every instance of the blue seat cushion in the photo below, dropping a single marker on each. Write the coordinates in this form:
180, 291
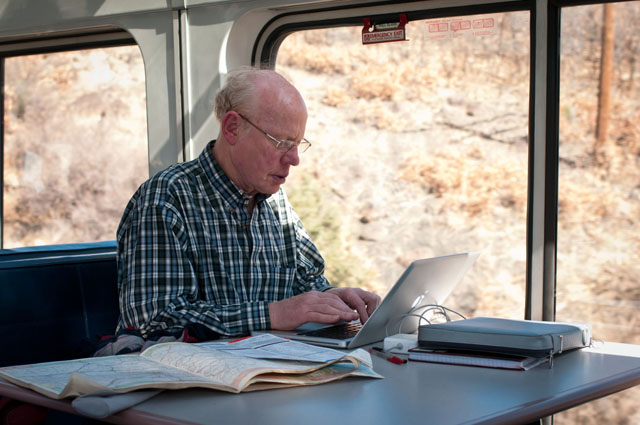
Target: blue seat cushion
56, 301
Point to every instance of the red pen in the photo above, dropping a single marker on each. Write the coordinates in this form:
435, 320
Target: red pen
377, 351
239, 339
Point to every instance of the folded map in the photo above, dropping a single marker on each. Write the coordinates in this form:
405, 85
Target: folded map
179, 365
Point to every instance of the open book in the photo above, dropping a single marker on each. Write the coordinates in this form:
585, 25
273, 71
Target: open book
179, 365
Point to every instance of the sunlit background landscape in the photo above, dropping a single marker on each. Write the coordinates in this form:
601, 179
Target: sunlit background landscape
420, 149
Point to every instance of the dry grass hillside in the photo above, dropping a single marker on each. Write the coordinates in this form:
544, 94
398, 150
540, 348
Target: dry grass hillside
419, 149
75, 144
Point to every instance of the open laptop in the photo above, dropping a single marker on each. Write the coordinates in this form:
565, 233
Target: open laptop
425, 281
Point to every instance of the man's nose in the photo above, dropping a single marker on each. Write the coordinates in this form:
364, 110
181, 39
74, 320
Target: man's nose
291, 157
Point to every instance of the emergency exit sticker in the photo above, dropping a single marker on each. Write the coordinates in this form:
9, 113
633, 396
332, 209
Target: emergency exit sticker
384, 32
383, 36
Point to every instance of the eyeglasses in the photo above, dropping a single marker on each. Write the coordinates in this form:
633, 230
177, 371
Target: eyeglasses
281, 145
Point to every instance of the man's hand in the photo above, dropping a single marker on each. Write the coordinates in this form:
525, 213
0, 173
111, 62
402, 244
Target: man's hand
314, 306
364, 302
324, 307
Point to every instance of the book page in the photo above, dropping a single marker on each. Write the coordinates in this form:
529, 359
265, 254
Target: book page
269, 346
175, 366
320, 376
237, 372
112, 373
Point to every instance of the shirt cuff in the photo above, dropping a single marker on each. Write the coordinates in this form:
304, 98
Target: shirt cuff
258, 316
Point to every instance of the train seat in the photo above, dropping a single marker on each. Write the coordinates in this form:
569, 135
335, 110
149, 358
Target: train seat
56, 301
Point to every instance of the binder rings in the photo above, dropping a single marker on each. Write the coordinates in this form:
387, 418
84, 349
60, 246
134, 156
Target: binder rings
518, 337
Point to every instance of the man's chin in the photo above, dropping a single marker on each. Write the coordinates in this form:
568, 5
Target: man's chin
270, 189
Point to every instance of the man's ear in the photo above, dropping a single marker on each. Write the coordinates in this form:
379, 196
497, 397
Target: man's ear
229, 127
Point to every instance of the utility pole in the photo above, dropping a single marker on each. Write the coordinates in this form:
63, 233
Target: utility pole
606, 72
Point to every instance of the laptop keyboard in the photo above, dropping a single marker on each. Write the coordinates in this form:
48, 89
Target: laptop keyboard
341, 331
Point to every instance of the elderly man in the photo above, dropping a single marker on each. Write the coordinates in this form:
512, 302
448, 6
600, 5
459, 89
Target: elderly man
214, 242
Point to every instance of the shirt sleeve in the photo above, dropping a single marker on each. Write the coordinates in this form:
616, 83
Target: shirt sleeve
157, 281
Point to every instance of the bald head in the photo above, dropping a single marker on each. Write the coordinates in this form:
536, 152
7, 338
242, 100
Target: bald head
248, 89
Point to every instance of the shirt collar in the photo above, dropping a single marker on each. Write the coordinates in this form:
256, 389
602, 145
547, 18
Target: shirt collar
231, 193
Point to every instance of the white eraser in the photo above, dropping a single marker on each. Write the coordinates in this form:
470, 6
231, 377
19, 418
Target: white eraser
400, 343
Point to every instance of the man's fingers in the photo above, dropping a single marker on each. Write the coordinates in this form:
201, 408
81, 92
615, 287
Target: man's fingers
314, 316
309, 307
372, 301
364, 302
355, 301
320, 299
328, 306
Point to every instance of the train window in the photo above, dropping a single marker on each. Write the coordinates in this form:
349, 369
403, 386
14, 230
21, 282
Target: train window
419, 150
75, 144
599, 195
598, 253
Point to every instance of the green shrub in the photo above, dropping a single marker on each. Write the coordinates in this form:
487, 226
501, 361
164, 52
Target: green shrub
329, 231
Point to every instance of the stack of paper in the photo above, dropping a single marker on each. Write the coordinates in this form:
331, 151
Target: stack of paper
470, 358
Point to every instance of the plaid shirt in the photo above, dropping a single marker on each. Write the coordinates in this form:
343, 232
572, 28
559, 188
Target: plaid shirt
190, 253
